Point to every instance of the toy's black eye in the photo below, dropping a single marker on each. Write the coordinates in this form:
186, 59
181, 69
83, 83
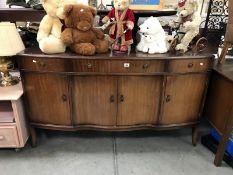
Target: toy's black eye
147, 27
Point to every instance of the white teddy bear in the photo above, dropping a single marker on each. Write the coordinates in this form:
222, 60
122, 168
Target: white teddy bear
153, 37
49, 34
189, 20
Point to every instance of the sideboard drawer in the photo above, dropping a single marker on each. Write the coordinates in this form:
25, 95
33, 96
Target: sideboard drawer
91, 66
43, 64
133, 66
8, 136
190, 65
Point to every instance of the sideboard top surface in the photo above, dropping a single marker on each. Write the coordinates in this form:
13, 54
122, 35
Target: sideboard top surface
225, 69
35, 52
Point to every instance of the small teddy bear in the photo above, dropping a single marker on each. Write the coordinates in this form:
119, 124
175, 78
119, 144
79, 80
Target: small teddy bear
49, 34
121, 30
79, 34
153, 38
189, 21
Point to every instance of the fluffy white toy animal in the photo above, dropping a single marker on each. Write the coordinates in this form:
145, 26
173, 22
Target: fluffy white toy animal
189, 20
49, 34
153, 38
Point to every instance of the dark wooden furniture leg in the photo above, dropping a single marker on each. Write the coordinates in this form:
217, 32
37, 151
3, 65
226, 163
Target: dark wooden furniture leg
33, 136
194, 135
223, 143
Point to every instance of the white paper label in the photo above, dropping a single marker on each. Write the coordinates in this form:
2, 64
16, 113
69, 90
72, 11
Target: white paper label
126, 65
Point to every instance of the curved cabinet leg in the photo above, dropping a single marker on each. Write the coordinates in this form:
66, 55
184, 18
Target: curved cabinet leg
194, 135
33, 136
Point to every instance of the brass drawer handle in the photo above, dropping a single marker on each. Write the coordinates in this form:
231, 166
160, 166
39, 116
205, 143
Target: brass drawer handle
112, 99
89, 65
64, 98
190, 65
122, 98
1, 138
168, 98
41, 64
145, 66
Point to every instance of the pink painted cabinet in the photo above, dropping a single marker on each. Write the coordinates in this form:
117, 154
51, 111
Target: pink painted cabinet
13, 128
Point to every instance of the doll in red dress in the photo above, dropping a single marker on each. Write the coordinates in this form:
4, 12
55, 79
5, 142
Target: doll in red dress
120, 33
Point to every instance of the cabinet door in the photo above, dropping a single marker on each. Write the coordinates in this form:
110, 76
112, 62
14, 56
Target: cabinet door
139, 99
95, 100
183, 98
47, 98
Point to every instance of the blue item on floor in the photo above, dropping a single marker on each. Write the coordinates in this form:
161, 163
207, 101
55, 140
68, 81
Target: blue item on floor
229, 148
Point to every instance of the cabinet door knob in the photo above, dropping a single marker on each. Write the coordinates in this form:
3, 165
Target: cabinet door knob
145, 66
168, 98
112, 98
1, 137
122, 98
64, 98
89, 65
190, 65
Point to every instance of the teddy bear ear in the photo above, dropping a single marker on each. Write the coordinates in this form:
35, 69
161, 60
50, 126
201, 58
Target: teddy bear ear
93, 10
67, 9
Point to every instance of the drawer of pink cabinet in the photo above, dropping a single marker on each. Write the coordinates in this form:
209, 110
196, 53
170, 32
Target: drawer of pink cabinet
8, 137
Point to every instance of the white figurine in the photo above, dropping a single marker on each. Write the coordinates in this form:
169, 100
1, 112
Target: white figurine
153, 37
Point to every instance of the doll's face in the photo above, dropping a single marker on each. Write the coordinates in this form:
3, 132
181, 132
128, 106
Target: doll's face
121, 4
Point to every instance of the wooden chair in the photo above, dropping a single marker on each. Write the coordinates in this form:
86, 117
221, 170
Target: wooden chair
229, 34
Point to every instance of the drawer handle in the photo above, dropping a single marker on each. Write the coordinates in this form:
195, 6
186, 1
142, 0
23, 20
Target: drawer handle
190, 65
89, 65
168, 98
1, 138
112, 99
146, 66
122, 98
42, 64
64, 98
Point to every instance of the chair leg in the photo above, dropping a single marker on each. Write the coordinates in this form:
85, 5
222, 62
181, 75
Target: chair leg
222, 57
223, 142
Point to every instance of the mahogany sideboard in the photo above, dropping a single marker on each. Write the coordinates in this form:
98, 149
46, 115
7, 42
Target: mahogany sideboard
114, 93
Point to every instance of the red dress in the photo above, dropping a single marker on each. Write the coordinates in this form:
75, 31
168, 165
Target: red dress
120, 25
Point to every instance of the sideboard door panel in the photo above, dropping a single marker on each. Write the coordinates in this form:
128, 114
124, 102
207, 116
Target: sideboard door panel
183, 98
47, 98
138, 100
95, 100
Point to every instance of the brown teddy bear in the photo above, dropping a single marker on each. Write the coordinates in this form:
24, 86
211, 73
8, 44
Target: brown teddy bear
79, 34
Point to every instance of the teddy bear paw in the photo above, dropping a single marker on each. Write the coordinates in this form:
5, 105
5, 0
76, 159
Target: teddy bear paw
181, 47
84, 49
145, 50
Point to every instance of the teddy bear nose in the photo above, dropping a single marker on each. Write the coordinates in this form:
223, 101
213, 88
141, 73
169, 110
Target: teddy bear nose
139, 28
